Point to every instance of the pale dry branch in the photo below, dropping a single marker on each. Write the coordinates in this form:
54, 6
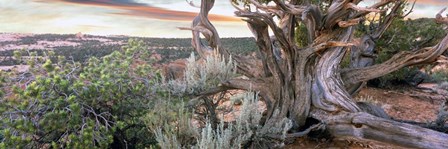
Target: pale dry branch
296, 10
387, 21
266, 8
368, 127
335, 12
375, 6
330, 44
440, 18
268, 19
400, 60
192, 4
362, 9
349, 23
410, 10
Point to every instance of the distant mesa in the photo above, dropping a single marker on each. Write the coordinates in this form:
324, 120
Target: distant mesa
79, 35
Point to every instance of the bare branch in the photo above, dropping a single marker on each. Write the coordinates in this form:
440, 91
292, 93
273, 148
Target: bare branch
201, 25
329, 44
267, 19
335, 12
265, 45
361, 9
410, 10
349, 23
302, 133
387, 21
290, 8
192, 4
374, 6
403, 59
249, 66
236, 7
265, 8
440, 19
249, 85
312, 18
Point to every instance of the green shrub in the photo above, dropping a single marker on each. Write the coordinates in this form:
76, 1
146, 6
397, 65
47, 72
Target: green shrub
66, 104
172, 125
367, 99
213, 132
202, 76
404, 35
245, 129
440, 75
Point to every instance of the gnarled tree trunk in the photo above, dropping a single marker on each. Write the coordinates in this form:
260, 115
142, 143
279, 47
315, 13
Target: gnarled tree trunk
307, 81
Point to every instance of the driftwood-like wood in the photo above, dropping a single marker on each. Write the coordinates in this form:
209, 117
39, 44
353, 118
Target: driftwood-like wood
365, 126
302, 79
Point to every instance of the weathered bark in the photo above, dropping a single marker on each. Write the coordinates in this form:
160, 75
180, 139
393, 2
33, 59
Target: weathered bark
306, 81
365, 126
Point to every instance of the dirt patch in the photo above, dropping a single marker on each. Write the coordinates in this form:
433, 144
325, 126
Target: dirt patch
404, 105
18, 68
10, 37
306, 143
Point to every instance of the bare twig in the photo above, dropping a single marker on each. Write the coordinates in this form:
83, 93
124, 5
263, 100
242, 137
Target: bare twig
349, 23
192, 4
410, 10
361, 9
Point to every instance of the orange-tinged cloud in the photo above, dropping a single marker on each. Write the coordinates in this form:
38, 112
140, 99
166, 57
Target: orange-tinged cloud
136, 9
432, 2
423, 2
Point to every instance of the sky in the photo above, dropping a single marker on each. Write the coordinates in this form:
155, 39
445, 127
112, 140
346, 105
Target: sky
144, 18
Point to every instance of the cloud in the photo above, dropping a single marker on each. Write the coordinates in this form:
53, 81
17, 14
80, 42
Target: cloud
133, 8
432, 2
424, 2
149, 18
106, 2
